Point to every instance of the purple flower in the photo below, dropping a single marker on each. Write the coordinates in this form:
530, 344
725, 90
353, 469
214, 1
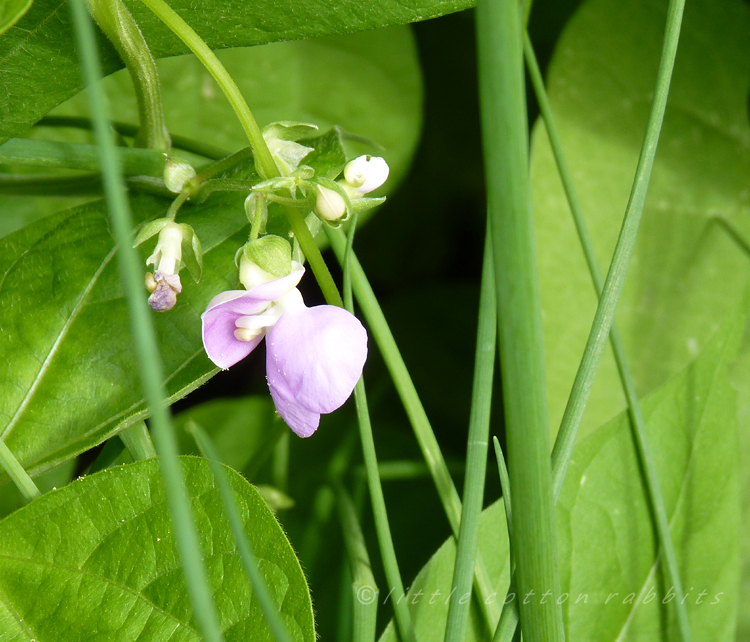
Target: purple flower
314, 356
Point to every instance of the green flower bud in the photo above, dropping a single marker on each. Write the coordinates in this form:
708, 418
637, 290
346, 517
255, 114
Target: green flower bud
177, 172
265, 259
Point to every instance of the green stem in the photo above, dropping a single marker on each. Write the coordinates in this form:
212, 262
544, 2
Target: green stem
176, 204
138, 441
18, 475
271, 610
382, 527
43, 153
364, 589
476, 452
504, 133
50, 184
118, 24
280, 465
264, 161
108, 456
623, 250
196, 147
637, 421
186, 534
310, 250
431, 452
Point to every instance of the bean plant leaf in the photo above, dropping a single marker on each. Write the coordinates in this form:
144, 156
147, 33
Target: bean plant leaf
98, 560
687, 271
613, 587
11, 11
45, 34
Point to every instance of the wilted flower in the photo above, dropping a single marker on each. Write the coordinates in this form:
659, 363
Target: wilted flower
314, 356
165, 284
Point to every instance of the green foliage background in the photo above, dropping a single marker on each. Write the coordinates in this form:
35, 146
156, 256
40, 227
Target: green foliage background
413, 91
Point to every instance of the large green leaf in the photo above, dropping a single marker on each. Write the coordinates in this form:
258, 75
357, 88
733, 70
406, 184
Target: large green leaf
97, 560
68, 374
39, 62
430, 593
687, 271
606, 538
608, 546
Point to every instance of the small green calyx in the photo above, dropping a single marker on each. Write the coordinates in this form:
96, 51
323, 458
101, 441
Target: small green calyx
271, 253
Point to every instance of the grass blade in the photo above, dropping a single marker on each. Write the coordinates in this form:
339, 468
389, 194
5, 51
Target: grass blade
431, 452
249, 561
152, 376
504, 134
637, 422
364, 589
476, 452
382, 526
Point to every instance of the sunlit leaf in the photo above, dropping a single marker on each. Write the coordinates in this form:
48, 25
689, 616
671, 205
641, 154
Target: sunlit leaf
97, 560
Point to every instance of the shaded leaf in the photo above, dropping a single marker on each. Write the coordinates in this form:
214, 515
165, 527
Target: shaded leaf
244, 430
103, 550
45, 34
687, 272
608, 545
606, 538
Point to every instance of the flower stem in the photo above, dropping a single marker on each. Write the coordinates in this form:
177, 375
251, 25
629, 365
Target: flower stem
382, 526
310, 250
150, 366
637, 422
43, 153
476, 452
138, 441
16, 472
264, 162
118, 24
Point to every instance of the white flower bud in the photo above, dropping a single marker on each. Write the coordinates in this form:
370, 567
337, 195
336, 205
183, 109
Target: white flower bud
177, 172
329, 204
366, 173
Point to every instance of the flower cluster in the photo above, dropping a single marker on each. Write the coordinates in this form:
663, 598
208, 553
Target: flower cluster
314, 356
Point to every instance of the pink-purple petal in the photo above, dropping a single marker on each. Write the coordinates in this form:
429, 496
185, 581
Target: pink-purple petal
302, 421
314, 359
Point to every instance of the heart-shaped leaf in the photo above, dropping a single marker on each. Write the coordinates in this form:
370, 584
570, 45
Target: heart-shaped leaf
98, 560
